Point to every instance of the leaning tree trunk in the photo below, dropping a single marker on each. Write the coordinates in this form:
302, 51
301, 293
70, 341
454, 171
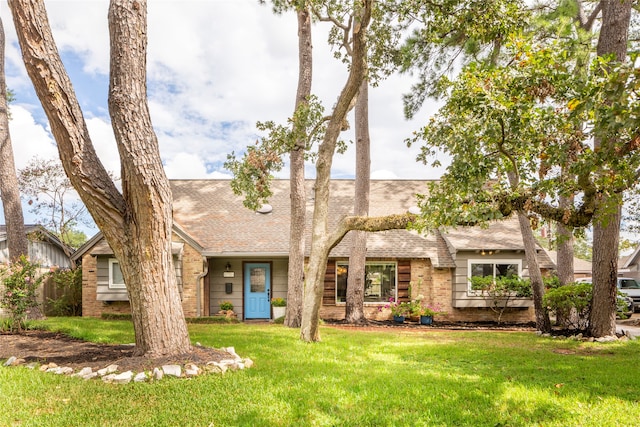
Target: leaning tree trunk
357, 260
320, 244
543, 323
137, 224
16, 237
613, 38
293, 316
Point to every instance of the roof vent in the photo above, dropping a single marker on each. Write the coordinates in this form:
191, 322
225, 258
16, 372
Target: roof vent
265, 209
414, 210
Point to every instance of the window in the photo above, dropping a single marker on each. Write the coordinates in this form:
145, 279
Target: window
116, 281
494, 268
380, 282
628, 284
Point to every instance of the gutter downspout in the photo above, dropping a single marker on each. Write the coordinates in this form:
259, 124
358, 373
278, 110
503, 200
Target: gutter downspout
200, 276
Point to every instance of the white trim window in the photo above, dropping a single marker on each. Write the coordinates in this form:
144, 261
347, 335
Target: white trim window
493, 268
116, 280
380, 282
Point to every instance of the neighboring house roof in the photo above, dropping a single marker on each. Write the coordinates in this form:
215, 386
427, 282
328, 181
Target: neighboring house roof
37, 233
629, 260
580, 266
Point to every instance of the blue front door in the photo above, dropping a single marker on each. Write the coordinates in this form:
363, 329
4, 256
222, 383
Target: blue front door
257, 290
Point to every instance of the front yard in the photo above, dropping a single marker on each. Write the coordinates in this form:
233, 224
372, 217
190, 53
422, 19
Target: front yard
386, 377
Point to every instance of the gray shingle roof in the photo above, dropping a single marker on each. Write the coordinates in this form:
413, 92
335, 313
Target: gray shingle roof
215, 217
498, 235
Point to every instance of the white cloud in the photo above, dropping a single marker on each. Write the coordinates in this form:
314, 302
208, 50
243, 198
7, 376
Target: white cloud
189, 166
28, 138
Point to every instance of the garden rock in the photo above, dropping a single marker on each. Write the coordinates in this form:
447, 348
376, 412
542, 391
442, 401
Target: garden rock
172, 370
191, 370
140, 377
123, 378
47, 366
215, 367
607, 339
108, 370
10, 361
157, 374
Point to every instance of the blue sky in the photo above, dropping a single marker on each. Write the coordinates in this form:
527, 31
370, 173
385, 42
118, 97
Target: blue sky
215, 68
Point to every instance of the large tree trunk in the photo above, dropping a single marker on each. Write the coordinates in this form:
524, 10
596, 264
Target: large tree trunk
602, 321
147, 263
320, 245
564, 261
564, 234
16, 237
357, 259
614, 31
293, 317
137, 224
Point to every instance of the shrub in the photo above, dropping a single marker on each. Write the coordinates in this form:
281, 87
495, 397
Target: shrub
278, 302
226, 305
68, 291
551, 282
572, 303
20, 280
499, 291
115, 316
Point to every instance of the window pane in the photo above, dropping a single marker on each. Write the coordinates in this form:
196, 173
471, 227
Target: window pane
507, 270
482, 270
380, 284
628, 284
258, 279
116, 274
342, 271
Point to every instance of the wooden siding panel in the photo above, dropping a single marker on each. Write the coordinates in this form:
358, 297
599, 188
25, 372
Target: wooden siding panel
404, 279
460, 297
103, 292
329, 294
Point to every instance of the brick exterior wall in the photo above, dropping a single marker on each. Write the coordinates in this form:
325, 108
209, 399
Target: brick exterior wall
435, 284
192, 267
91, 307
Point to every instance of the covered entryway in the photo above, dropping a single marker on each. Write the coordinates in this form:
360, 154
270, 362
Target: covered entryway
257, 290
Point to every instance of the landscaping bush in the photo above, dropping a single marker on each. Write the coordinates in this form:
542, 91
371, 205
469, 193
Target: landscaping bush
226, 305
20, 281
572, 303
68, 291
501, 290
115, 316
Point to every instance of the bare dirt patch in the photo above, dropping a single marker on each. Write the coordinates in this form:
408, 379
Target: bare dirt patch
46, 347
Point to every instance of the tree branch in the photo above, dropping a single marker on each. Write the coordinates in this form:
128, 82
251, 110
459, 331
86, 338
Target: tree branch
369, 224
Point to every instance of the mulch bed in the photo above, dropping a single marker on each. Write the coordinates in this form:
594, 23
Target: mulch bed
46, 347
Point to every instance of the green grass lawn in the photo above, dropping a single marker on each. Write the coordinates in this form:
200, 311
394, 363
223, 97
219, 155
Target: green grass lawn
386, 378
